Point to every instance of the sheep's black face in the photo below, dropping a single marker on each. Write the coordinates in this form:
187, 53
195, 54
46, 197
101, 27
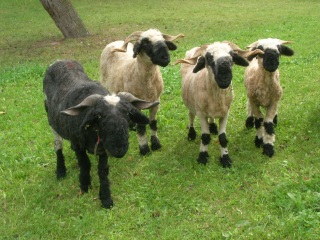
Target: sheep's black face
114, 134
158, 52
222, 69
107, 125
271, 60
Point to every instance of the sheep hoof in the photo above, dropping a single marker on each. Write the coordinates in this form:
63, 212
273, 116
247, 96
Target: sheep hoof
155, 143
192, 134
107, 203
132, 126
268, 150
203, 158
225, 161
213, 128
258, 142
250, 122
144, 149
61, 174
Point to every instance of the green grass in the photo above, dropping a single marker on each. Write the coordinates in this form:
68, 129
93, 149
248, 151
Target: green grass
165, 195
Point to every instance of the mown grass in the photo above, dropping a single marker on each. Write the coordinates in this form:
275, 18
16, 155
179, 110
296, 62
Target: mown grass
165, 195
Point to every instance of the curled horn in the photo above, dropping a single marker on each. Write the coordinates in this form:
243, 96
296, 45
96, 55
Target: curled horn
172, 38
285, 42
194, 58
132, 37
87, 102
243, 53
137, 102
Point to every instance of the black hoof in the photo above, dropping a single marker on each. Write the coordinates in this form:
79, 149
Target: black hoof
155, 143
61, 174
213, 128
250, 122
203, 158
268, 150
107, 203
192, 134
226, 161
258, 142
144, 150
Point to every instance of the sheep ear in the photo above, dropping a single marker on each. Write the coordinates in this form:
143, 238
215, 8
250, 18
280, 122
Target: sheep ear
136, 49
237, 59
87, 102
200, 64
286, 51
137, 102
171, 46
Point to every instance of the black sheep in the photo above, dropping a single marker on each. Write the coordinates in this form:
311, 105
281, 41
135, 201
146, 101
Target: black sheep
83, 112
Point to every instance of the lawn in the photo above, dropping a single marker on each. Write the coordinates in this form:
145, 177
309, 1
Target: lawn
167, 194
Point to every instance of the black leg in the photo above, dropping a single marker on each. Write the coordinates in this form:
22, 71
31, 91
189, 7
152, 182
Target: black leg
144, 148
85, 166
103, 172
155, 143
61, 168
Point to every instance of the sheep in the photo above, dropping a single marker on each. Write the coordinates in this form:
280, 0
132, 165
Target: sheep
262, 82
207, 91
93, 120
135, 69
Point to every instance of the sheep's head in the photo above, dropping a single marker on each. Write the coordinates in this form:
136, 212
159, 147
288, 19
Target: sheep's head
105, 121
273, 49
154, 44
218, 58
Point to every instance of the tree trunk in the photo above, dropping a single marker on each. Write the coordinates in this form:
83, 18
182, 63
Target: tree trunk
65, 17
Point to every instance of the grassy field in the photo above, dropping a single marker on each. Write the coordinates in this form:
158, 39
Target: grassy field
165, 195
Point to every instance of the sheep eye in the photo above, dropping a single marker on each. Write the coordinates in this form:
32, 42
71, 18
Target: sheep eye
260, 47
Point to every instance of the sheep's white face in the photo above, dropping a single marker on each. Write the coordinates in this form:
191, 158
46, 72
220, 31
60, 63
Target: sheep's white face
270, 58
153, 44
153, 35
219, 50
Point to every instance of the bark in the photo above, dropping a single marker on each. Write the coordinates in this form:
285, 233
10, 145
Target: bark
65, 17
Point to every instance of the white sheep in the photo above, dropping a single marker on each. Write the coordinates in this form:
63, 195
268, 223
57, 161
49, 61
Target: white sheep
207, 91
134, 69
262, 82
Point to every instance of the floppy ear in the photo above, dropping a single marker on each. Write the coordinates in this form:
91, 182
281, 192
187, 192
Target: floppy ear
286, 51
171, 46
237, 59
201, 63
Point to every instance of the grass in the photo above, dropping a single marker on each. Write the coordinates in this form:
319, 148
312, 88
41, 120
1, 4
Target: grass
165, 195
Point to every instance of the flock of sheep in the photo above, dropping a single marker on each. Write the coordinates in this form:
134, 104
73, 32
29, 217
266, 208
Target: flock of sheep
95, 117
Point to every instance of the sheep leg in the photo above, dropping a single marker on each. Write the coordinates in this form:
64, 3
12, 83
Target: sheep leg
142, 139
85, 166
268, 134
103, 172
250, 118
205, 140
155, 143
61, 170
224, 154
212, 126
192, 133
258, 122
